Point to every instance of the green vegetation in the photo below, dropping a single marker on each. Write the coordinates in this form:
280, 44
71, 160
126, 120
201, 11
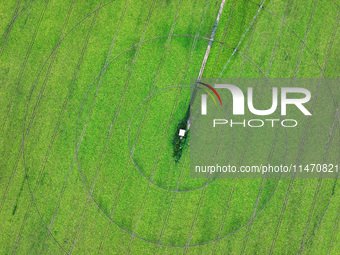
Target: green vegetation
180, 142
73, 111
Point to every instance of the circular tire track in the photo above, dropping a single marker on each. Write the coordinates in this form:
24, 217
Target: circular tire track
89, 191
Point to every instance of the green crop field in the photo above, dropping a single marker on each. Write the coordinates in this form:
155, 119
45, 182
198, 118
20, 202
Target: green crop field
91, 96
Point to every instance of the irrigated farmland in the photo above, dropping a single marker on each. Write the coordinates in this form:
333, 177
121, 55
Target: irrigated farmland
91, 97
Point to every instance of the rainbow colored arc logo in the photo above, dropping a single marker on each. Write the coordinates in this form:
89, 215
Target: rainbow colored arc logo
213, 90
